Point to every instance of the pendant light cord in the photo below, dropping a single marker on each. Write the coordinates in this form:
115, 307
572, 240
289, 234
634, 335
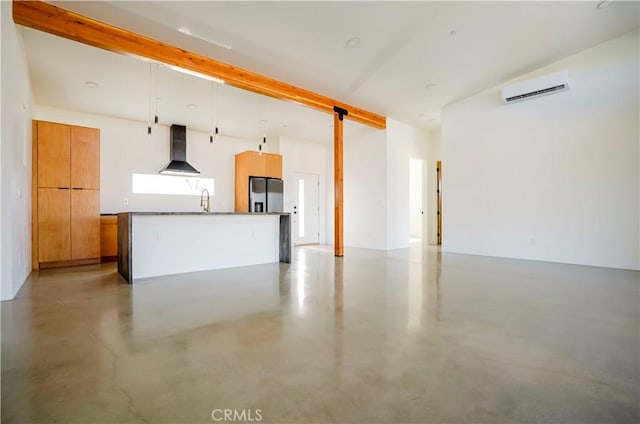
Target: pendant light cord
150, 94
155, 120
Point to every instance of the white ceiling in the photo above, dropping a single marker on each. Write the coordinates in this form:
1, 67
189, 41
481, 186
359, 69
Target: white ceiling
462, 47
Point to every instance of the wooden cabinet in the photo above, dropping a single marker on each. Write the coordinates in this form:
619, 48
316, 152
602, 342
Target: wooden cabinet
85, 230
253, 164
54, 238
85, 155
54, 161
273, 165
66, 201
108, 237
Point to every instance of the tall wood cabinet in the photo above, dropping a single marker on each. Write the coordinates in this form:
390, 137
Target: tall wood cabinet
65, 195
253, 164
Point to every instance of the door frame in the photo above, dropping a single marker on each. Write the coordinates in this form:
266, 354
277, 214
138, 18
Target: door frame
439, 191
296, 175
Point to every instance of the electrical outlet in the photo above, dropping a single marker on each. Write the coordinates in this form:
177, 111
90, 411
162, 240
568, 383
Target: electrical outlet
125, 201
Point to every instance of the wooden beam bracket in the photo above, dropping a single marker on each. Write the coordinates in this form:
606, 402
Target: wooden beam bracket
341, 112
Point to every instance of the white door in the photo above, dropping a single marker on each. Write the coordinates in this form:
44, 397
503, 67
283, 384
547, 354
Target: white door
306, 209
416, 199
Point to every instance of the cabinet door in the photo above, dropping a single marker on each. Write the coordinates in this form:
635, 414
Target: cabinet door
85, 224
108, 240
54, 225
85, 157
255, 164
273, 168
54, 161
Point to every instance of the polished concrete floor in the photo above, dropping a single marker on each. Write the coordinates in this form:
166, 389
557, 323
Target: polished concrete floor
408, 336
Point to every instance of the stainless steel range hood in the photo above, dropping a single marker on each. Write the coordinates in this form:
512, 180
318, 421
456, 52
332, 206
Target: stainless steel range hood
178, 153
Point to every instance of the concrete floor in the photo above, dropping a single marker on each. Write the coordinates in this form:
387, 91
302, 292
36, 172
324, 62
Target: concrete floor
408, 336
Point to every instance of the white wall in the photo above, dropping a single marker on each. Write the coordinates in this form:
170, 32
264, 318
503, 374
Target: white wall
125, 148
365, 189
553, 178
329, 195
400, 139
309, 157
15, 171
376, 184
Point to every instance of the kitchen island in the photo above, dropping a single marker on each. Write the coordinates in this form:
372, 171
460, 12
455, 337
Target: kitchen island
162, 243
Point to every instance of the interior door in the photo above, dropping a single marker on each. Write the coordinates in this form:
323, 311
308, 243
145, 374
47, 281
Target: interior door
306, 209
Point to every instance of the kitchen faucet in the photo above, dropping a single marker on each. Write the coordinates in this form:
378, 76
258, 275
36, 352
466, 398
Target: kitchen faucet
205, 202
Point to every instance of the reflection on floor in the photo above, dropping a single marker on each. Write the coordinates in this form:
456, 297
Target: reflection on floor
407, 336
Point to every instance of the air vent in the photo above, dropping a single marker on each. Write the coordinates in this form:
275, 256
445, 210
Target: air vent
541, 86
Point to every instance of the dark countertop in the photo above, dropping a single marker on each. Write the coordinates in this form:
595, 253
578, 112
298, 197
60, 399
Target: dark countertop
206, 213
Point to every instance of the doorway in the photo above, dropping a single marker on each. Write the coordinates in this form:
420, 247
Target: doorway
416, 200
306, 209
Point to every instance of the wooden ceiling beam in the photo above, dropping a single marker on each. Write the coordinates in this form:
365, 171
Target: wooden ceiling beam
64, 23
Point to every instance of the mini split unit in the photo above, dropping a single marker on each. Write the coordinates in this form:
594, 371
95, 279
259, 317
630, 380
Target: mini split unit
536, 87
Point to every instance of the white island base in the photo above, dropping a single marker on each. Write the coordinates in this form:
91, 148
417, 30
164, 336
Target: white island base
163, 243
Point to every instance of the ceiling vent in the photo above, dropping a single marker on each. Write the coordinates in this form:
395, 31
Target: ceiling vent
536, 87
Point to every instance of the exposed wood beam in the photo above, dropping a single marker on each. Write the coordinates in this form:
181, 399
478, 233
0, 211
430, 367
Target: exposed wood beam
64, 23
338, 183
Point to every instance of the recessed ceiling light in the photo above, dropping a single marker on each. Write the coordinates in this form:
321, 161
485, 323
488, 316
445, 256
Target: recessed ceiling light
604, 4
192, 106
352, 42
429, 86
452, 33
92, 84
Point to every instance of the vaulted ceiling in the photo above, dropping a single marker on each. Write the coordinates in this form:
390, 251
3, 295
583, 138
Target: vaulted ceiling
405, 60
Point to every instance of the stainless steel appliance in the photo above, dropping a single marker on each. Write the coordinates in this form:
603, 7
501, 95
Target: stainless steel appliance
265, 194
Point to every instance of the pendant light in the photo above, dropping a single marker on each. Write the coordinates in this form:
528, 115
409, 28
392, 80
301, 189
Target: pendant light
263, 122
213, 133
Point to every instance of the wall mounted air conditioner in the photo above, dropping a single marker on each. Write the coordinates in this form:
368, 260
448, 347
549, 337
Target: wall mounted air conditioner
536, 87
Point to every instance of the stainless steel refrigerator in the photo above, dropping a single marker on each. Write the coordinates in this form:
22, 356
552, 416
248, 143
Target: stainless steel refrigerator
265, 194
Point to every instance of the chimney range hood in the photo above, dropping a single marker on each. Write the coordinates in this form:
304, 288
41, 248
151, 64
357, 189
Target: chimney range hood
178, 153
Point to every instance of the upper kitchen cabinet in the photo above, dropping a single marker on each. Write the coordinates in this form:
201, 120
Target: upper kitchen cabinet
54, 160
85, 157
255, 164
273, 165
68, 156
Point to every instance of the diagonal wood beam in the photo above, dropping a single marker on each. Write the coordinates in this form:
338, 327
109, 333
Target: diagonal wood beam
64, 23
